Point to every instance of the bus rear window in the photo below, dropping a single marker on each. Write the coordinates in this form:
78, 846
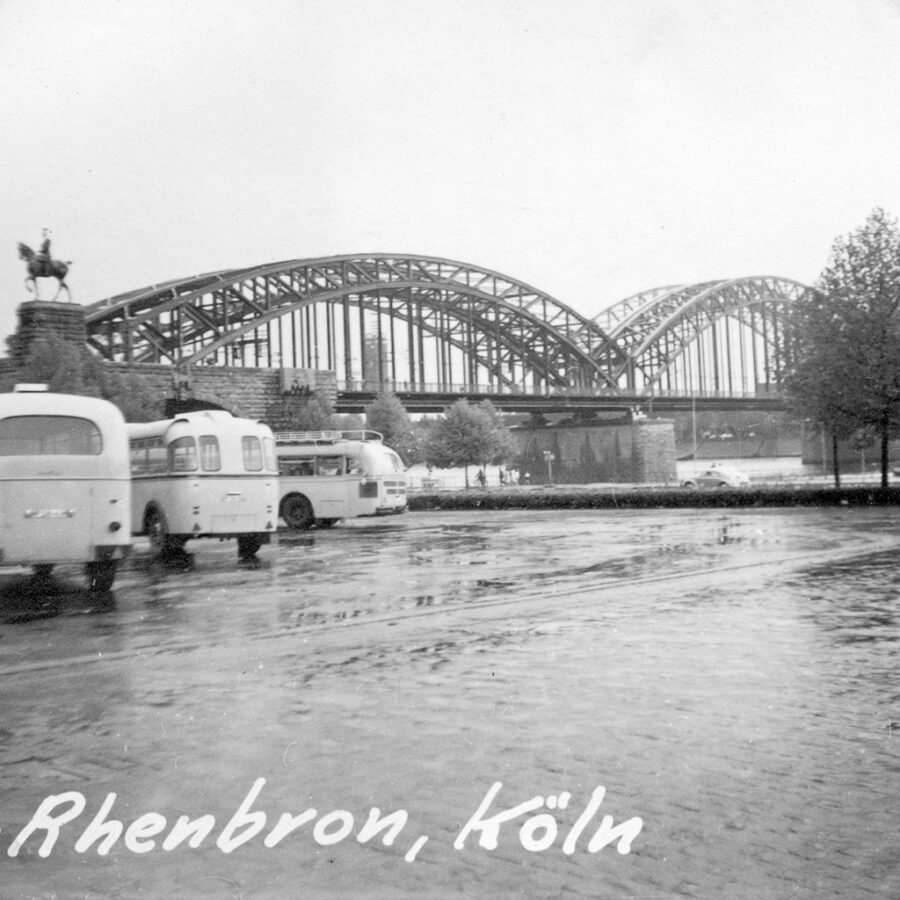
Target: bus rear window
210, 460
183, 455
253, 461
50, 436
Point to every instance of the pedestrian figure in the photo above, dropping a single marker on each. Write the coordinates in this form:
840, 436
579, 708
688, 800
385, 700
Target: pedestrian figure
481, 479
502, 477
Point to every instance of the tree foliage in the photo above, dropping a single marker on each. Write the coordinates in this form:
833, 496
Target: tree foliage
846, 337
68, 368
466, 436
303, 409
505, 446
387, 415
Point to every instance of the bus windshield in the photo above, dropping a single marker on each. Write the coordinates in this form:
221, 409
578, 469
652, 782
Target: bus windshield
49, 436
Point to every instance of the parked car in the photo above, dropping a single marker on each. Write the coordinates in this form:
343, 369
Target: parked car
718, 476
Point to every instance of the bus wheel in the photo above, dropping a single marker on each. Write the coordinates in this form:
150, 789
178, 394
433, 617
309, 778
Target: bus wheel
162, 543
101, 575
297, 511
325, 523
248, 544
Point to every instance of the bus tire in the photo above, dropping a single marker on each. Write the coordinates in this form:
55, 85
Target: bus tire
297, 512
101, 575
325, 523
162, 543
248, 544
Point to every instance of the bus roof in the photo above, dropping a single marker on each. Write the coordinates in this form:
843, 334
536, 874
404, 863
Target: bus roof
197, 418
43, 403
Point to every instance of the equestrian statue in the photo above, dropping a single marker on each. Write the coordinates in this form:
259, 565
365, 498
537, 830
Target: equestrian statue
42, 265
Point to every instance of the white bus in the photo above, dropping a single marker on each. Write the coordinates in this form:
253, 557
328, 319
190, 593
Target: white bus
331, 475
203, 474
64, 485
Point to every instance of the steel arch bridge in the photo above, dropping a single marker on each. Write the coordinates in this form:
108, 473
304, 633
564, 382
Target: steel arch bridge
427, 323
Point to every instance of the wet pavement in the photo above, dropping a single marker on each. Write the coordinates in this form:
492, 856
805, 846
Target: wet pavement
729, 679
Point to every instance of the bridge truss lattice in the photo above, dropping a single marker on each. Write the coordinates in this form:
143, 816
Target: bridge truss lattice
426, 322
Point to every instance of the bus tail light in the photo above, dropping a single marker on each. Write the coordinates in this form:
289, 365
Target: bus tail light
114, 526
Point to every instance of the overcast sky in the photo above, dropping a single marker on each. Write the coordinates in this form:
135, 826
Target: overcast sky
591, 148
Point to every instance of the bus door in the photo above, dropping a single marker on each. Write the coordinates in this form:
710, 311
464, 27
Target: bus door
332, 494
362, 491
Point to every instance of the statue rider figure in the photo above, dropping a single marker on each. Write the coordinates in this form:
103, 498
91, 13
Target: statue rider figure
43, 255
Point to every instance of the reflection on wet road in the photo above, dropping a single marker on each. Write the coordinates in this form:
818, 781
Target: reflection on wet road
728, 677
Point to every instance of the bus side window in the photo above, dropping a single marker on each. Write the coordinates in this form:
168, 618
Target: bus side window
157, 461
252, 453
138, 456
183, 455
210, 460
329, 465
295, 467
269, 454
354, 466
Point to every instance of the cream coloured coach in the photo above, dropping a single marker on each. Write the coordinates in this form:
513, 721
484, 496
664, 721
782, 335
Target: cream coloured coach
64, 483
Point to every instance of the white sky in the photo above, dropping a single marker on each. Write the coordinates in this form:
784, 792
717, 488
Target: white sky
591, 148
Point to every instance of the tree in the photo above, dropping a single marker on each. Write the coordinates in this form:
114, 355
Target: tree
505, 445
68, 368
387, 415
467, 435
303, 409
845, 338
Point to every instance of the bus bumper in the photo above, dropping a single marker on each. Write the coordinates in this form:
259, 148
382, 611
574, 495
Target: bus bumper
390, 510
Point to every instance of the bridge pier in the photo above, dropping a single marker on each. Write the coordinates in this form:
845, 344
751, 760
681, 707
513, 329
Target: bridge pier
639, 451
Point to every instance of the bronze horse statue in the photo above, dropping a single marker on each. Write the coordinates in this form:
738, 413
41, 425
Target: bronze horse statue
40, 265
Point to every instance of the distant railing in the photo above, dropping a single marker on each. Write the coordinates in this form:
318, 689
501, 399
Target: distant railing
465, 389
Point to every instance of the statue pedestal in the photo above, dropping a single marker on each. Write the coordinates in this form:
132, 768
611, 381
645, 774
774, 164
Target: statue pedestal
40, 318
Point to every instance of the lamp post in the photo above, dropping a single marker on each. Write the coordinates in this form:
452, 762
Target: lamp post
548, 458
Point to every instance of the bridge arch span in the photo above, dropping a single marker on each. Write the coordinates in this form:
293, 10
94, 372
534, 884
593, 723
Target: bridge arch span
378, 317
719, 337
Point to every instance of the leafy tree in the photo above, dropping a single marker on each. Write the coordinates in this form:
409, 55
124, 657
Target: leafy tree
303, 409
505, 445
131, 393
467, 435
348, 422
68, 368
63, 366
846, 338
387, 415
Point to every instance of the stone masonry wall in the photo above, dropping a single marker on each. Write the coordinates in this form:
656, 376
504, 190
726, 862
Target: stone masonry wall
252, 393
641, 452
653, 451
39, 317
